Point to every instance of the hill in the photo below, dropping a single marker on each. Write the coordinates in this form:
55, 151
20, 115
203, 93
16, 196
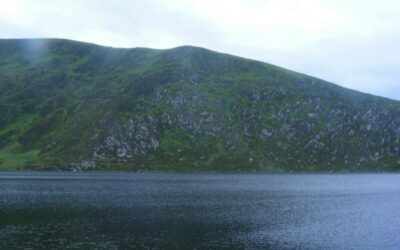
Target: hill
73, 105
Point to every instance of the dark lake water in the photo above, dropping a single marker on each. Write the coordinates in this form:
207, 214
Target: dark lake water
199, 211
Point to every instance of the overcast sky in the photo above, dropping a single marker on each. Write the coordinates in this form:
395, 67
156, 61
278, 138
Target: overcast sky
354, 43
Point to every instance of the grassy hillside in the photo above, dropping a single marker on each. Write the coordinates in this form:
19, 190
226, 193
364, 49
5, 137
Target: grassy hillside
73, 105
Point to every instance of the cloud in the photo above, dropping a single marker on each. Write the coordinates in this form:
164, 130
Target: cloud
352, 43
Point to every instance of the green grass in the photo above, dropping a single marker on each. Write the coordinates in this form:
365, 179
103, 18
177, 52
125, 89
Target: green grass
11, 160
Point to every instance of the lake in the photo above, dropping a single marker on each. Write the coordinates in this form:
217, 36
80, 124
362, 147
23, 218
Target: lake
61, 210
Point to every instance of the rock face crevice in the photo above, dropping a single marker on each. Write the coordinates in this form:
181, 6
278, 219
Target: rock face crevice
80, 106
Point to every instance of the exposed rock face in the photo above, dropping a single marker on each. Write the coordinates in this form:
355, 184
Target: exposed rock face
82, 107
139, 135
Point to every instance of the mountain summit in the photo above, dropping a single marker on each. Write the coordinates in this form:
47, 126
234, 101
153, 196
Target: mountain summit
73, 105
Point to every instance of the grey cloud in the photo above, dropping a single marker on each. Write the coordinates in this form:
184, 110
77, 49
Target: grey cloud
367, 62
